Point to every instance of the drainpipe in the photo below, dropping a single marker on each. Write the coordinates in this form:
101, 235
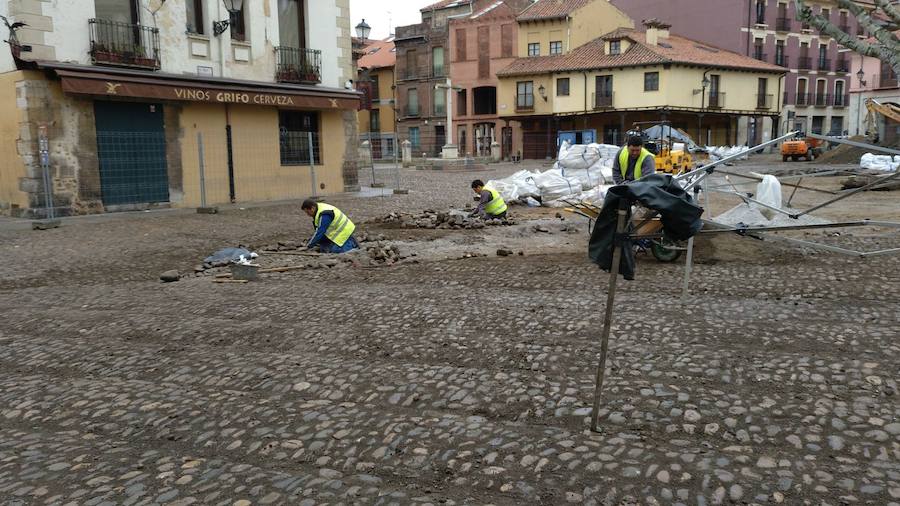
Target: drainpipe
585, 101
749, 23
221, 42
568, 33
778, 97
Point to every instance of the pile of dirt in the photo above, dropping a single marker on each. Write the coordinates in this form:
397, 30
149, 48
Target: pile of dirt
431, 219
844, 154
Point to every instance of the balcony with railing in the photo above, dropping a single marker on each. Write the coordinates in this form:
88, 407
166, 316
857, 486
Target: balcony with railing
845, 28
124, 44
800, 100
804, 63
888, 80
759, 55
524, 102
842, 65
824, 64
822, 100
411, 110
602, 100
716, 100
841, 100
764, 101
782, 60
295, 65
783, 24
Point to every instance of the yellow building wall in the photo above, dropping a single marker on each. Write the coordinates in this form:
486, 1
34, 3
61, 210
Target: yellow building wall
386, 113
12, 167
586, 24
595, 19
676, 89
258, 173
506, 95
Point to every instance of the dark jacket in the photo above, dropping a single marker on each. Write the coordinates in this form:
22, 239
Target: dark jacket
679, 214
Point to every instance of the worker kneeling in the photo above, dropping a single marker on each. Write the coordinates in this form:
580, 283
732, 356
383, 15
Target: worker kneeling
334, 230
633, 162
491, 205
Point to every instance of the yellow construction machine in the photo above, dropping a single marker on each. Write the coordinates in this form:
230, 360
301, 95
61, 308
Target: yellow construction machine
662, 143
876, 108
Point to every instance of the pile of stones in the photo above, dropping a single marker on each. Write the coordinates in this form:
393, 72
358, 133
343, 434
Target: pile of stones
380, 253
431, 219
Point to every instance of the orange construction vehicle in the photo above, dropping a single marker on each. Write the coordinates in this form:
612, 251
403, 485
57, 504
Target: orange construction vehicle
801, 147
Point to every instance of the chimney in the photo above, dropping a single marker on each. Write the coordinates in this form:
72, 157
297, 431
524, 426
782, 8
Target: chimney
656, 30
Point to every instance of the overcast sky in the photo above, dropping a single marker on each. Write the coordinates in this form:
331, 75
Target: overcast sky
382, 14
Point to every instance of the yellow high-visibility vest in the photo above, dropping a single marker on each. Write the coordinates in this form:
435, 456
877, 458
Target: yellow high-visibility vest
497, 205
340, 229
623, 162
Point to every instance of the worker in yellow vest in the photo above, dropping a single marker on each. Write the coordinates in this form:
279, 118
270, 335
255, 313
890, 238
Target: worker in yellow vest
633, 162
334, 230
490, 203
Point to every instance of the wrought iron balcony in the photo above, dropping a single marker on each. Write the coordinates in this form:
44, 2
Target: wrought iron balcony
716, 100
764, 101
841, 100
124, 44
411, 111
843, 65
804, 63
783, 61
822, 100
803, 99
296, 65
824, 64
783, 24
759, 55
603, 100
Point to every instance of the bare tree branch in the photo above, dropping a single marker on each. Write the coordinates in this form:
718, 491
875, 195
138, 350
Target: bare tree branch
888, 48
889, 9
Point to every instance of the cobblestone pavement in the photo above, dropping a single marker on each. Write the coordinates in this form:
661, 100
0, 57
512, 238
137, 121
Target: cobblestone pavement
443, 382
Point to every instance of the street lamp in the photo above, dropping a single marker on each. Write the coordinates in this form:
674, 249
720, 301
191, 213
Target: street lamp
543, 92
704, 84
233, 7
363, 29
860, 75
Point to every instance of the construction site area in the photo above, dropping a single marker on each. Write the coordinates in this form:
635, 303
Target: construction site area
451, 360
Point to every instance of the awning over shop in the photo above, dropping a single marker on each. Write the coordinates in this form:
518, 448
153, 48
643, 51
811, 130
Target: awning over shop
109, 82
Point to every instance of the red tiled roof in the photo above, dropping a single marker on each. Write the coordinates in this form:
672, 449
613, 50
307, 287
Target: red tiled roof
443, 4
378, 54
672, 49
551, 9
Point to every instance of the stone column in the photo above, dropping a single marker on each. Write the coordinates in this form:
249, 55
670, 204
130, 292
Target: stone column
350, 167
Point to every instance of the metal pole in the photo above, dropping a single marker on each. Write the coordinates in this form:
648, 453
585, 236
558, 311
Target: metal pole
312, 163
708, 167
202, 170
372, 161
44, 149
793, 192
855, 144
607, 320
689, 261
850, 193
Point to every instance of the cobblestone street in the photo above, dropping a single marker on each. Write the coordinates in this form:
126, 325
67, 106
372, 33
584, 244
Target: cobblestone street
449, 381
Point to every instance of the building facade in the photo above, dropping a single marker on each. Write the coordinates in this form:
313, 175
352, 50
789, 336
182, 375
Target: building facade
116, 97
816, 92
602, 89
377, 115
548, 31
422, 64
482, 44
878, 81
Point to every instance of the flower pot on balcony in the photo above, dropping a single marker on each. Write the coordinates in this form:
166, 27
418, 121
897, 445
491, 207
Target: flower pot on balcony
145, 62
107, 57
288, 75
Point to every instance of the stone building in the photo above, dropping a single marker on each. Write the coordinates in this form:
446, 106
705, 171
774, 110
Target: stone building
125, 91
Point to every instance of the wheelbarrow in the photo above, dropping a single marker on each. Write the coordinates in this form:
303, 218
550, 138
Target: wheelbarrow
662, 249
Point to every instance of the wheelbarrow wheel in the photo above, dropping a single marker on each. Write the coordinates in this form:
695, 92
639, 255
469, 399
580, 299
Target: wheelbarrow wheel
665, 251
